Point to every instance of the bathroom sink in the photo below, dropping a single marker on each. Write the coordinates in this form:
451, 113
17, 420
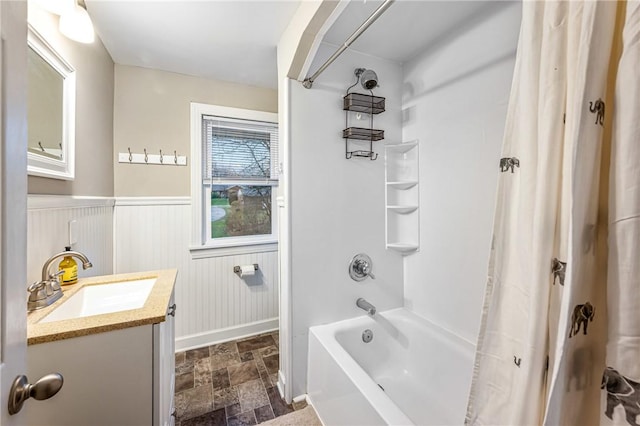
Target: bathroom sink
103, 299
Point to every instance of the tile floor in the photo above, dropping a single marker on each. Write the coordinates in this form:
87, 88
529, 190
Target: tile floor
231, 384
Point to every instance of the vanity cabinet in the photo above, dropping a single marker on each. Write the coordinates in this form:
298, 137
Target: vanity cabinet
120, 377
402, 197
164, 372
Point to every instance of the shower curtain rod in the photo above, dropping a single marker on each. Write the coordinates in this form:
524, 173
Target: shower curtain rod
308, 82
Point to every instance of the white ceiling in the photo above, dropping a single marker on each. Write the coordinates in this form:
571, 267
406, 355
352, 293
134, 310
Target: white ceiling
236, 40
407, 27
220, 39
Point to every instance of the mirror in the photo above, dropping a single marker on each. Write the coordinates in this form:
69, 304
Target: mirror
51, 87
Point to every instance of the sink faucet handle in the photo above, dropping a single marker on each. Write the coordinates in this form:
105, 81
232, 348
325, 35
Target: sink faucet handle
36, 286
56, 275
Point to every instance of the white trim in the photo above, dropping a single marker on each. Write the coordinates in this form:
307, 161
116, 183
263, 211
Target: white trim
226, 334
300, 398
281, 384
40, 165
198, 237
35, 202
317, 40
152, 201
203, 252
284, 254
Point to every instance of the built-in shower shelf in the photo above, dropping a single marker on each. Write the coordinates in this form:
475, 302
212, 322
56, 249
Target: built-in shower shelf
402, 209
402, 197
403, 248
402, 184
402, 147
368, 104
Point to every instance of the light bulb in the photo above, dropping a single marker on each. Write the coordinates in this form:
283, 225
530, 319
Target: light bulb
76, 25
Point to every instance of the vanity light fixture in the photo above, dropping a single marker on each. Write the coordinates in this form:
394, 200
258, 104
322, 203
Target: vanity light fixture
76, 24
57, 7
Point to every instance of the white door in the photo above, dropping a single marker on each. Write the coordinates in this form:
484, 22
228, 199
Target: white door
13, 201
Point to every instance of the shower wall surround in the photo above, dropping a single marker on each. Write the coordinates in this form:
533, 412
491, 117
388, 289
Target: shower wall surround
455, 101
337, 205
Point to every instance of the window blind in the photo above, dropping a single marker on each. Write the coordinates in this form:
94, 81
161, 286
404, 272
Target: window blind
236, 149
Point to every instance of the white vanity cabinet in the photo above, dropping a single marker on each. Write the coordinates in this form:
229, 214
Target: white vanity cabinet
164, 372
120, 377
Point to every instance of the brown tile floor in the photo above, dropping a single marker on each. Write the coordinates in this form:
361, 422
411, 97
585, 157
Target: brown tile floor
230, 384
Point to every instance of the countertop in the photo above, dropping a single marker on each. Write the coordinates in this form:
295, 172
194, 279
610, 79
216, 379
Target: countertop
154, 310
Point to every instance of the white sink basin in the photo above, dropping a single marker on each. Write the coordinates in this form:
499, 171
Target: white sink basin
103, 299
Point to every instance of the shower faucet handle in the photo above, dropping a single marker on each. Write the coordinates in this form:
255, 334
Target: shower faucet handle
364, 268
360, 267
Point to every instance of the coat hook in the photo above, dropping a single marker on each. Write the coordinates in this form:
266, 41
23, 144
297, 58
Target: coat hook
175, 157
146, 158
130, 155
41, 147
160, 156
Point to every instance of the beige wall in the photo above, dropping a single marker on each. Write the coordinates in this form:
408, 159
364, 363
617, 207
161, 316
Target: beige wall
152, 111
94, 113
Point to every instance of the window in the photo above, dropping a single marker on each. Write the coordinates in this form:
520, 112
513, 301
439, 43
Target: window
234, 176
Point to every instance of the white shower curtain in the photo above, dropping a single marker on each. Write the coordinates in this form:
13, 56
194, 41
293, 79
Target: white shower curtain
543, 349
620, 402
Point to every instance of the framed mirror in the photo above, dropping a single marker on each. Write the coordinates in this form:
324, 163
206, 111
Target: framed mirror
51, 87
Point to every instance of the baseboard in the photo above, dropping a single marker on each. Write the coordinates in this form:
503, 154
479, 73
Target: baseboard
225, 334
281, 384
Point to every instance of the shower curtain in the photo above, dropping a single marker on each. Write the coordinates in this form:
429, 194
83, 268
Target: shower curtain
559, 339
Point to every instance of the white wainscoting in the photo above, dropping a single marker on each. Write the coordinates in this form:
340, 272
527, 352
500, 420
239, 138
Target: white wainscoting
48, 219
214, 303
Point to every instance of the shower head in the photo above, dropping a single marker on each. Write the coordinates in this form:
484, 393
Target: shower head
368, 78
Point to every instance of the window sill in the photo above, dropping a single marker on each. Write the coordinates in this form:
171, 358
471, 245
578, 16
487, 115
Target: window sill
204, 252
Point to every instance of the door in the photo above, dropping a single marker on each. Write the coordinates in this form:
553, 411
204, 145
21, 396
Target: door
13, 201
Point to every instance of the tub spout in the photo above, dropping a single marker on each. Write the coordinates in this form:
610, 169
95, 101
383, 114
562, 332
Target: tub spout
366, 306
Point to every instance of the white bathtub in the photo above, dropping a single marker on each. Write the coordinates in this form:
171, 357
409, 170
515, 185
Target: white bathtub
424, 370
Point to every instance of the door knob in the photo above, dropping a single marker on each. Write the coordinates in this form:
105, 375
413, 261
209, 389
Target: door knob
44, 388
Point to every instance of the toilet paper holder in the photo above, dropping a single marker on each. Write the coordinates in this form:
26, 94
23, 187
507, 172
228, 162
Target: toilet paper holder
237, 269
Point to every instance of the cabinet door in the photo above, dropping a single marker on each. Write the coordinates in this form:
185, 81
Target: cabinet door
108, 379
164, 369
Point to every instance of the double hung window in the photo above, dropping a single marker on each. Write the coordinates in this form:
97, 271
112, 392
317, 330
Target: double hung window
238, 175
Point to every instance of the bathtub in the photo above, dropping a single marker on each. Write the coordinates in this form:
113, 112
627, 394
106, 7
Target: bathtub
411, 373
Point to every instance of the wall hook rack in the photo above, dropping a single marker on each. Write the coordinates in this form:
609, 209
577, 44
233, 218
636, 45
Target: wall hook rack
147, 158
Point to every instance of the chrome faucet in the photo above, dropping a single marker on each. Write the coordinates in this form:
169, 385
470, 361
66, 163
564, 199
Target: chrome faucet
46, 291
360, 267
366, 306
